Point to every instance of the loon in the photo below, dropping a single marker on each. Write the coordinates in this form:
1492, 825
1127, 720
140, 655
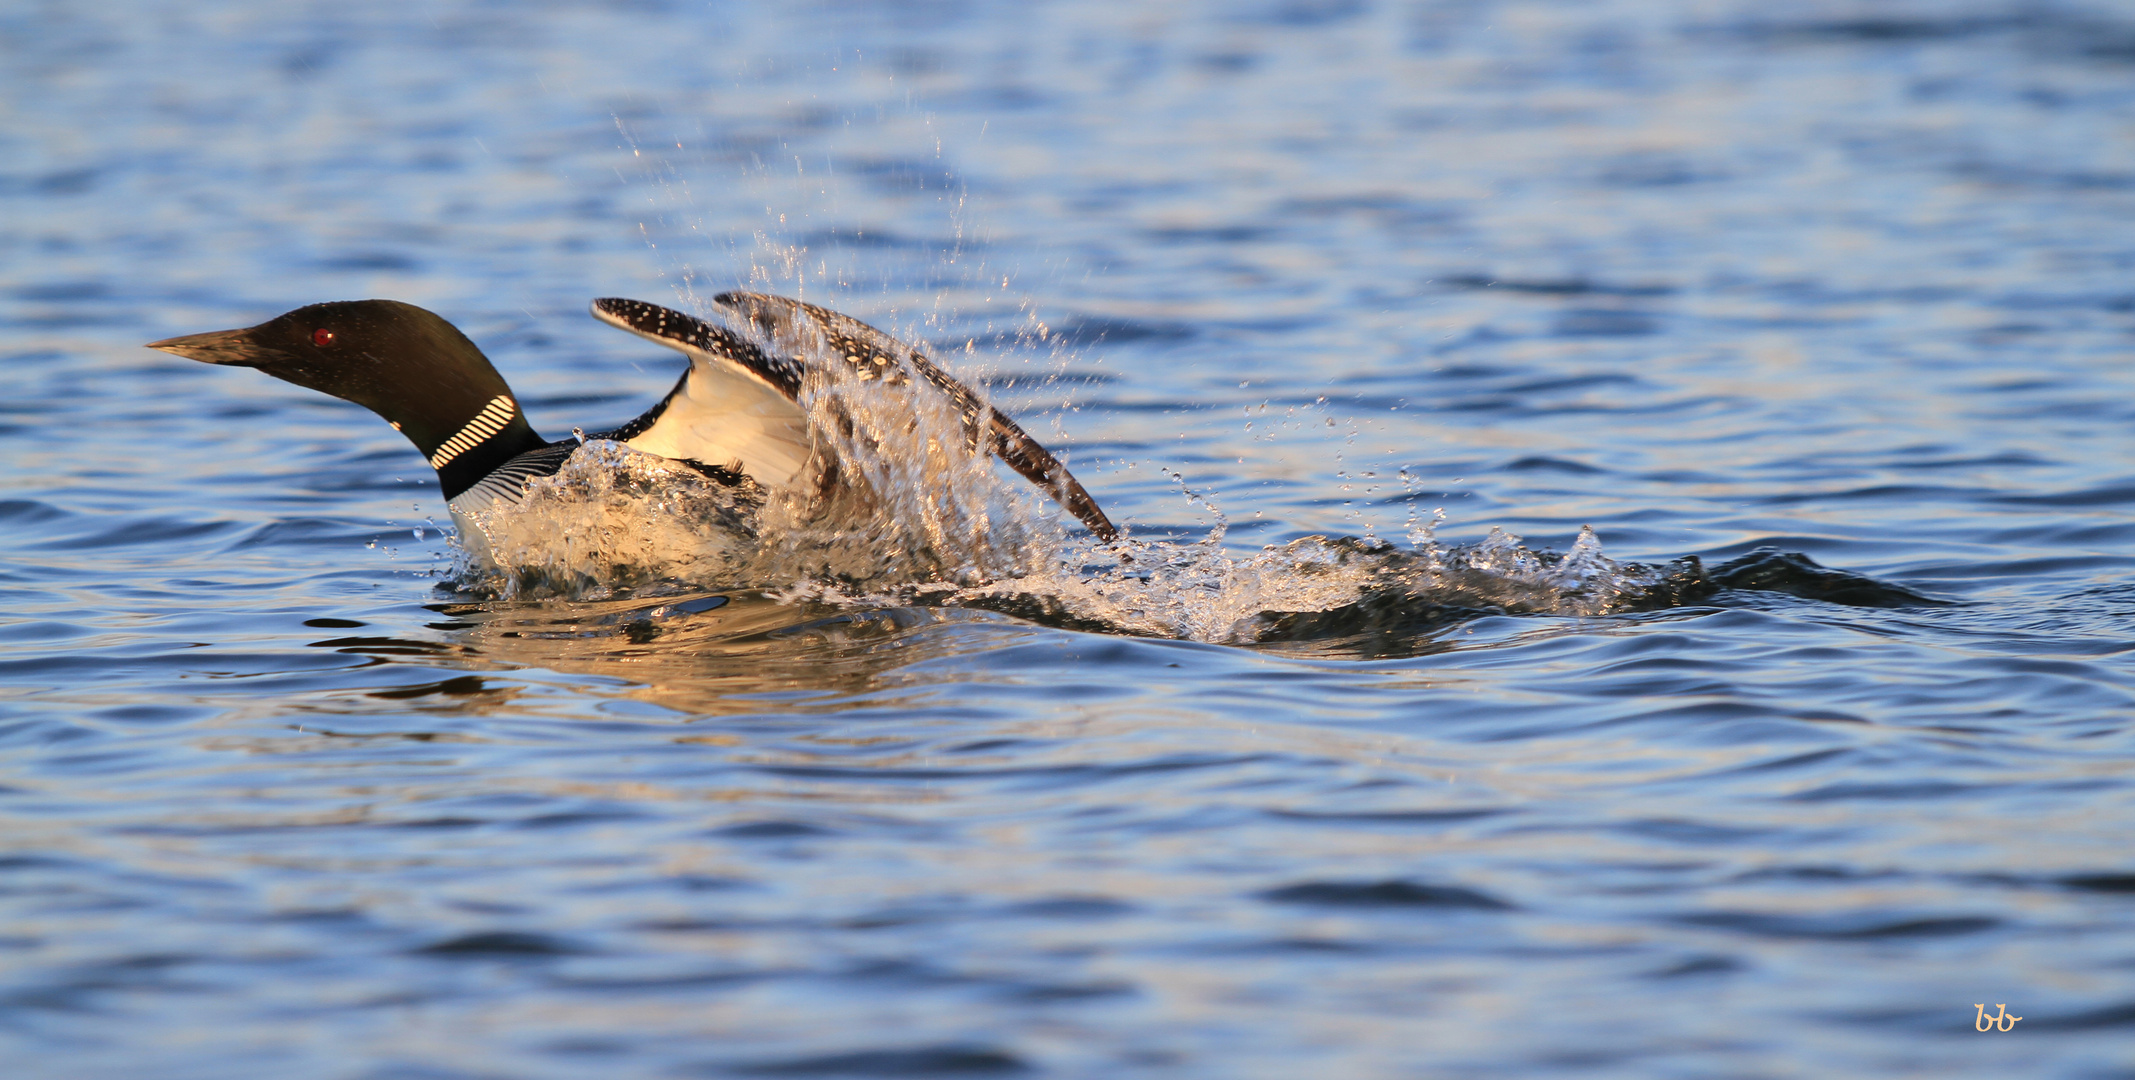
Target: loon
737, 415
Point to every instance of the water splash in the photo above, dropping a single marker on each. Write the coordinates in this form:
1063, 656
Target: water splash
903, 505
900, 490
1316, 586
615, 520
612, 519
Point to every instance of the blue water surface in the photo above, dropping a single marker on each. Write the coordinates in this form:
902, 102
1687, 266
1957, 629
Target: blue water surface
1849, 279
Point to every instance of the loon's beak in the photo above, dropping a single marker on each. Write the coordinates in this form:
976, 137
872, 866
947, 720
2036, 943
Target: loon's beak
232, 347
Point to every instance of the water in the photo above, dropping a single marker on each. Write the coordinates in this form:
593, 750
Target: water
1843, 280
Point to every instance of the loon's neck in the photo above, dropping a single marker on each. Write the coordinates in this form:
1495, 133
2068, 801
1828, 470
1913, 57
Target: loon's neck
494, 434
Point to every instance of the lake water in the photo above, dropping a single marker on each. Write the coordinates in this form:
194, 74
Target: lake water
1853, 281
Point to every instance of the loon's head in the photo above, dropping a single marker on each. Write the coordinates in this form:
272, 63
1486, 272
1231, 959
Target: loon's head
404, 363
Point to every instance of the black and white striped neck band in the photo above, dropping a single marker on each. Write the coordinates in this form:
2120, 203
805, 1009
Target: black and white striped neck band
488, 422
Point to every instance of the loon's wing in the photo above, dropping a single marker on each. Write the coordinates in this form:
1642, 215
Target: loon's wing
796, 328
733, 409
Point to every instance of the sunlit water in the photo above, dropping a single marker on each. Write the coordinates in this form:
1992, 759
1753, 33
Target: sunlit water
1327, 302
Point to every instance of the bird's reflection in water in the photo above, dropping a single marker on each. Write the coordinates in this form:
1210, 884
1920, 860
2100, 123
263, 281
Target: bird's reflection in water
727, 654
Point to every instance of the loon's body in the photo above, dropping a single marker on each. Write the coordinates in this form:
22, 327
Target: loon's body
738, 415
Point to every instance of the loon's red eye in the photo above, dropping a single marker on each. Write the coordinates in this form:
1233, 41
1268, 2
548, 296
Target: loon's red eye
322, 337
